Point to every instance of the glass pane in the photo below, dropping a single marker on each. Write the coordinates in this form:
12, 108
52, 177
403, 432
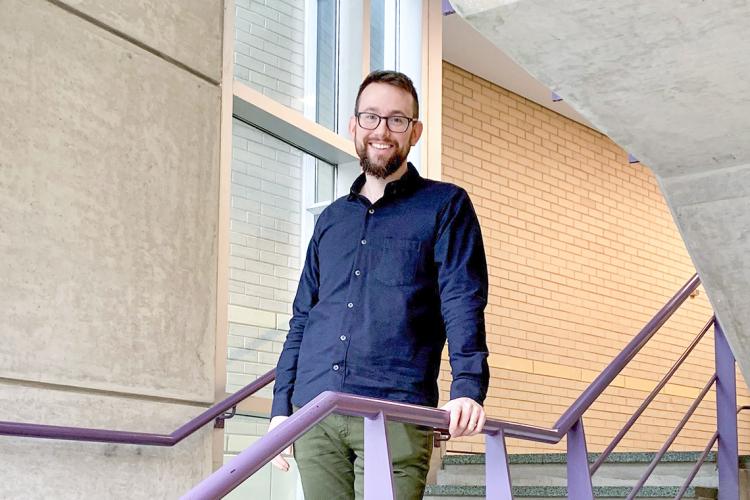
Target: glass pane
325, 75
269, 48
265, 227
325, 181
294, 63
268, 483
377, 34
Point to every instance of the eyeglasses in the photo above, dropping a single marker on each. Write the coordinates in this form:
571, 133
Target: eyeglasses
371, 121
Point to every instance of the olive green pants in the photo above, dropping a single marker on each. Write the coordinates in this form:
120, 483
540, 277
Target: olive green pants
330, 459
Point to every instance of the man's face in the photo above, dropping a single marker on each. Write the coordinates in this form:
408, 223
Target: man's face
381, 152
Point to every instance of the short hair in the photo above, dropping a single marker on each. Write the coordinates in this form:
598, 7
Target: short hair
395, 78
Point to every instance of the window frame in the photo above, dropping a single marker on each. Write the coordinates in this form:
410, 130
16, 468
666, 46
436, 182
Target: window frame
298, 129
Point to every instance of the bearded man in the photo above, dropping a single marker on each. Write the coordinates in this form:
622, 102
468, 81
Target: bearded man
392, 270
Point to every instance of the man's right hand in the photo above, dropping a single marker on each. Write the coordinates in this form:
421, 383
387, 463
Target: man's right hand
279, 461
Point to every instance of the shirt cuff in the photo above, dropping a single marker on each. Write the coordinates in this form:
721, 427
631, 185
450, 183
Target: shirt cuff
467, 388
281, 407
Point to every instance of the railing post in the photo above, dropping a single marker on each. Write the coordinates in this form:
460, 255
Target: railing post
579, 478
497, 473
378, 468
726, 418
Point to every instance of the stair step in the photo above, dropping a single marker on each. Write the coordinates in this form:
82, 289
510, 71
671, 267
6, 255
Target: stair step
560, 458
549, 470
451, 492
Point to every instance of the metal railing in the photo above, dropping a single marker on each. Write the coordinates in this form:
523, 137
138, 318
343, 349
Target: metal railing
378, 478
216, 412
378, 473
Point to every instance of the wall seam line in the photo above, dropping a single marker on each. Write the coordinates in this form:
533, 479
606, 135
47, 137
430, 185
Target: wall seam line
101, 392
120, 34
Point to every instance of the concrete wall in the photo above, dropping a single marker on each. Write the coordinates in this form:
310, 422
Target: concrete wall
108, 221
582, 251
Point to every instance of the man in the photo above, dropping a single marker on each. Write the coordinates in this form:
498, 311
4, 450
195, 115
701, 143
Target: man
392, 270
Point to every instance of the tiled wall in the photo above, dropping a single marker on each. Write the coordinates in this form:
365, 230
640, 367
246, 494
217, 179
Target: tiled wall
269, 48
264, 251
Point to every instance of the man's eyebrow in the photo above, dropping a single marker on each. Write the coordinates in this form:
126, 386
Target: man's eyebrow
394, 112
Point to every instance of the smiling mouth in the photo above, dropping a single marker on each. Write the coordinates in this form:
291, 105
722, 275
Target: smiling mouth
380, 146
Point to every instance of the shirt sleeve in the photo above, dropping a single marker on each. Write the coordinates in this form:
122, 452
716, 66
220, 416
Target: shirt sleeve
305, 299
463, 284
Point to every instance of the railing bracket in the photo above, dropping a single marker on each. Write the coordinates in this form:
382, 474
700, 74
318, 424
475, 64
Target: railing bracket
440, 437
219, 422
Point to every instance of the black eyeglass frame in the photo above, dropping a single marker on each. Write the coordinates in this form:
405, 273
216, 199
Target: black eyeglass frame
386, 118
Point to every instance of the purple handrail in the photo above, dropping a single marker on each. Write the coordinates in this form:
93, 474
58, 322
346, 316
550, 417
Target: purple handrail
141, 438
671, 438
646, 402
573, 414
697, 466
702, 458
250, 460
563, 425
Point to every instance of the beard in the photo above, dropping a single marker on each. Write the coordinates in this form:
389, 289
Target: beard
380, 169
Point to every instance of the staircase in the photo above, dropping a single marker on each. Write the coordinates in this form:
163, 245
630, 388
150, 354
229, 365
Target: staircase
543, 476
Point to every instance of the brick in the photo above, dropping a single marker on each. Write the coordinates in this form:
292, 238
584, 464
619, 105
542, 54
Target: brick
247, 205
240, 299
240, 355
244, 252
275, 306
249, 316
244, 276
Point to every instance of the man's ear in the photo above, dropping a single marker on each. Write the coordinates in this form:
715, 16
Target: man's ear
352, 125
416, 132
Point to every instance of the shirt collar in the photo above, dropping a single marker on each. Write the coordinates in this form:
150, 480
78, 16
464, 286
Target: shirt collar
403, 185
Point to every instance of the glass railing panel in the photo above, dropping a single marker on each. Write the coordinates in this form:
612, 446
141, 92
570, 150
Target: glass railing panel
268, 483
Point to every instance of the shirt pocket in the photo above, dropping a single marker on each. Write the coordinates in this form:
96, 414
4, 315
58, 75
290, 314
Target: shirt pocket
398, 262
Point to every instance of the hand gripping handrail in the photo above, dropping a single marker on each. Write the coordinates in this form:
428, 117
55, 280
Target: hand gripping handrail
249, 461
141, 438
253, 458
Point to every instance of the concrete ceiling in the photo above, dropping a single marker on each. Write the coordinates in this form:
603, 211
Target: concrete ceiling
465, 47
668, 81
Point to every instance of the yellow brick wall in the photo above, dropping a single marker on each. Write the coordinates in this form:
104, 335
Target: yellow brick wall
582, 251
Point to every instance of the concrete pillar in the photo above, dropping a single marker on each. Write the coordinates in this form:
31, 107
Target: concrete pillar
108, 220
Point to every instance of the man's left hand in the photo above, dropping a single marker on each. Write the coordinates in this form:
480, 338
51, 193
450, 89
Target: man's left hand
467, 417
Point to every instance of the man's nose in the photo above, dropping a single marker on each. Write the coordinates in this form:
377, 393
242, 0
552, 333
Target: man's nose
382, 127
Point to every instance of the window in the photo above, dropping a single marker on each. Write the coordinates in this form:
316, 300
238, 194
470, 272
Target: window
265, 257
297, 65
326, 81
377, 34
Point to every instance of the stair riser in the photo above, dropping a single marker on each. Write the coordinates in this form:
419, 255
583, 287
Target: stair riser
517, 497
617, 474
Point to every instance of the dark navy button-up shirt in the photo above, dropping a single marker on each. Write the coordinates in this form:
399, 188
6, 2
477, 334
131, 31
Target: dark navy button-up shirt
382, 287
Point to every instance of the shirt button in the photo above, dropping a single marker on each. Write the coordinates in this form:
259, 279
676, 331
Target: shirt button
371, 211
364, 242
357, 272
335, 368
350, 305
343, 338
